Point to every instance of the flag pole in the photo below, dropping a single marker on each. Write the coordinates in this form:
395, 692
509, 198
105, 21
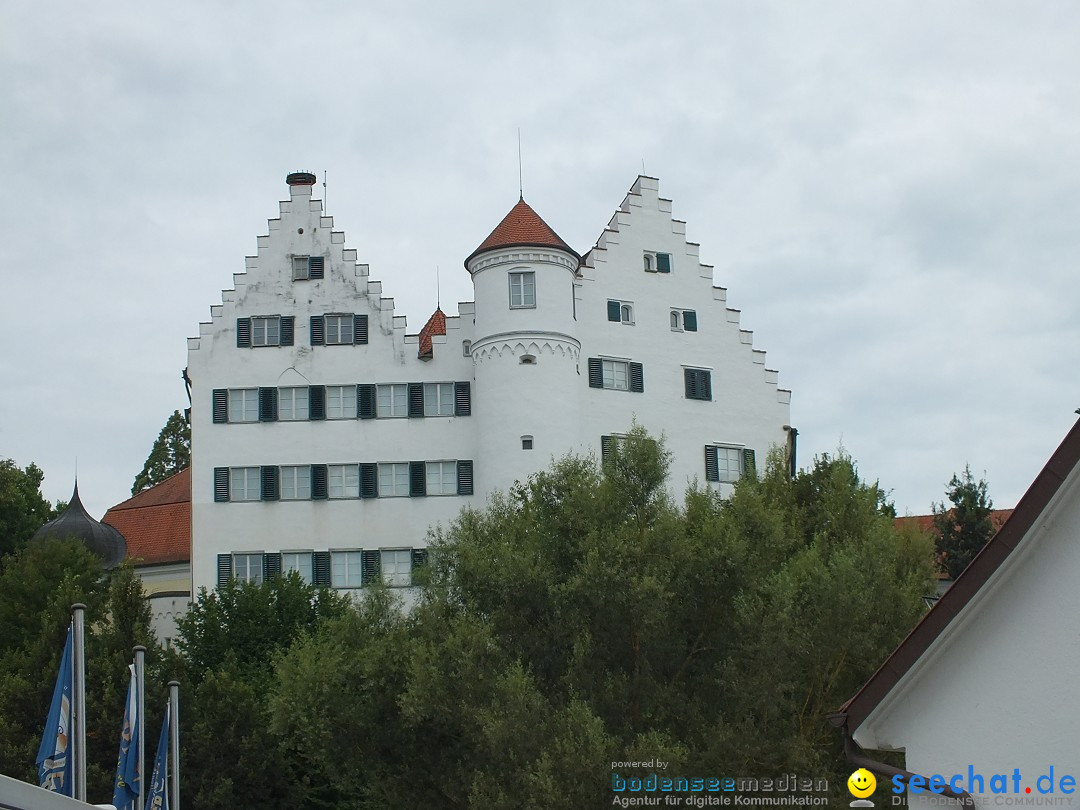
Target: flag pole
78, 620
140, 720
174, 743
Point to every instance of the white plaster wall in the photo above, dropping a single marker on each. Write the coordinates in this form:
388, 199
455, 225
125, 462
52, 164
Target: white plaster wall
214, 361
550, 400
748, 407
999, 690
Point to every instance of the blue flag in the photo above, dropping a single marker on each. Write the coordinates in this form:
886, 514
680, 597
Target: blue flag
158, 796
127, 787
55, 754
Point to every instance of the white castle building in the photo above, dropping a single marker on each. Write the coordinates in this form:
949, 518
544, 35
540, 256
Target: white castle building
326, 440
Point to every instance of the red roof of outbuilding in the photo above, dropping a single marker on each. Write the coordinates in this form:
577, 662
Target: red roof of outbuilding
157, 522
436, 325
524, 227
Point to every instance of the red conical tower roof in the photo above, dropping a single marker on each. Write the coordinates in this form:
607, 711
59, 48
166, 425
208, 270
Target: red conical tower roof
521, 227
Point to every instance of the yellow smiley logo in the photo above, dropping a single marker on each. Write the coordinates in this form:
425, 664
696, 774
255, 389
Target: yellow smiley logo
861, 783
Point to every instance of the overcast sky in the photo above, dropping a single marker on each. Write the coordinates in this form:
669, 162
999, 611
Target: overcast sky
889, 191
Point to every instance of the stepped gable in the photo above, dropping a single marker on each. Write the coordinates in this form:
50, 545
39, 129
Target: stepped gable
522, 227
103, 540
436, 325
157, 521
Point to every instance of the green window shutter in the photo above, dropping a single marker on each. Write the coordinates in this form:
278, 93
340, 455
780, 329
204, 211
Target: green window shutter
614, 311
271, 566
318, 482
221, 484
748, 463
419, 558
663, 262
371, 562
637, 378
712, 465
224, 569
243, 333
369, 480
605, 449
320, 568
267, 404
316, 266
698, 383
417, 478
268, 479
221, 405
596, 373
462, 398
690, 380
465, 477
318, 330
416, 400
288, 328
689, 319
360, 328
706, 385
316, 402
365, 401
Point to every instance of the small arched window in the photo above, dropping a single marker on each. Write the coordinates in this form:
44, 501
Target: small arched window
676, 320
648, 263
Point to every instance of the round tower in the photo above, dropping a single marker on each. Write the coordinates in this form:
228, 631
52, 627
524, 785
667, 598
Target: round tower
525, 351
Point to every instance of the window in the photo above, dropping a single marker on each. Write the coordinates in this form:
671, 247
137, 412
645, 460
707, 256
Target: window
346, 569
305, 267
339, 329
620, 312
248, 568
723, 463
396, 567
698, 383
341, 402
522, 290
296, 483
442, 478
298, 561
466, 348
293, 403
657, 262
343, 480
438, 399
243, 404
683, 319
526, 442
244, 484
266, 331
392, 400
616, 375
394, 480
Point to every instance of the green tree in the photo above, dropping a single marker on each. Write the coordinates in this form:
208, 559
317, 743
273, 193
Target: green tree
170, 454
37, 590
227, 643
23, 510
585, 617
964, 527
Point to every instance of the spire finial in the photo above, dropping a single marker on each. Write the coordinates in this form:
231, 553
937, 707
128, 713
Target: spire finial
521, 186
438, 292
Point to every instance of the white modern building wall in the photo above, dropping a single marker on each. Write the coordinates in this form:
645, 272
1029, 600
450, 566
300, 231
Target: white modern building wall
324, 439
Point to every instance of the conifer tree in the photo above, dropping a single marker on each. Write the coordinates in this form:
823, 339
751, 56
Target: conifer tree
170, 454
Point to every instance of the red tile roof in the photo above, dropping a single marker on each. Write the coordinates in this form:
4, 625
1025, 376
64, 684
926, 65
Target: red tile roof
157, 522
436, 325
926, 522
522, 226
